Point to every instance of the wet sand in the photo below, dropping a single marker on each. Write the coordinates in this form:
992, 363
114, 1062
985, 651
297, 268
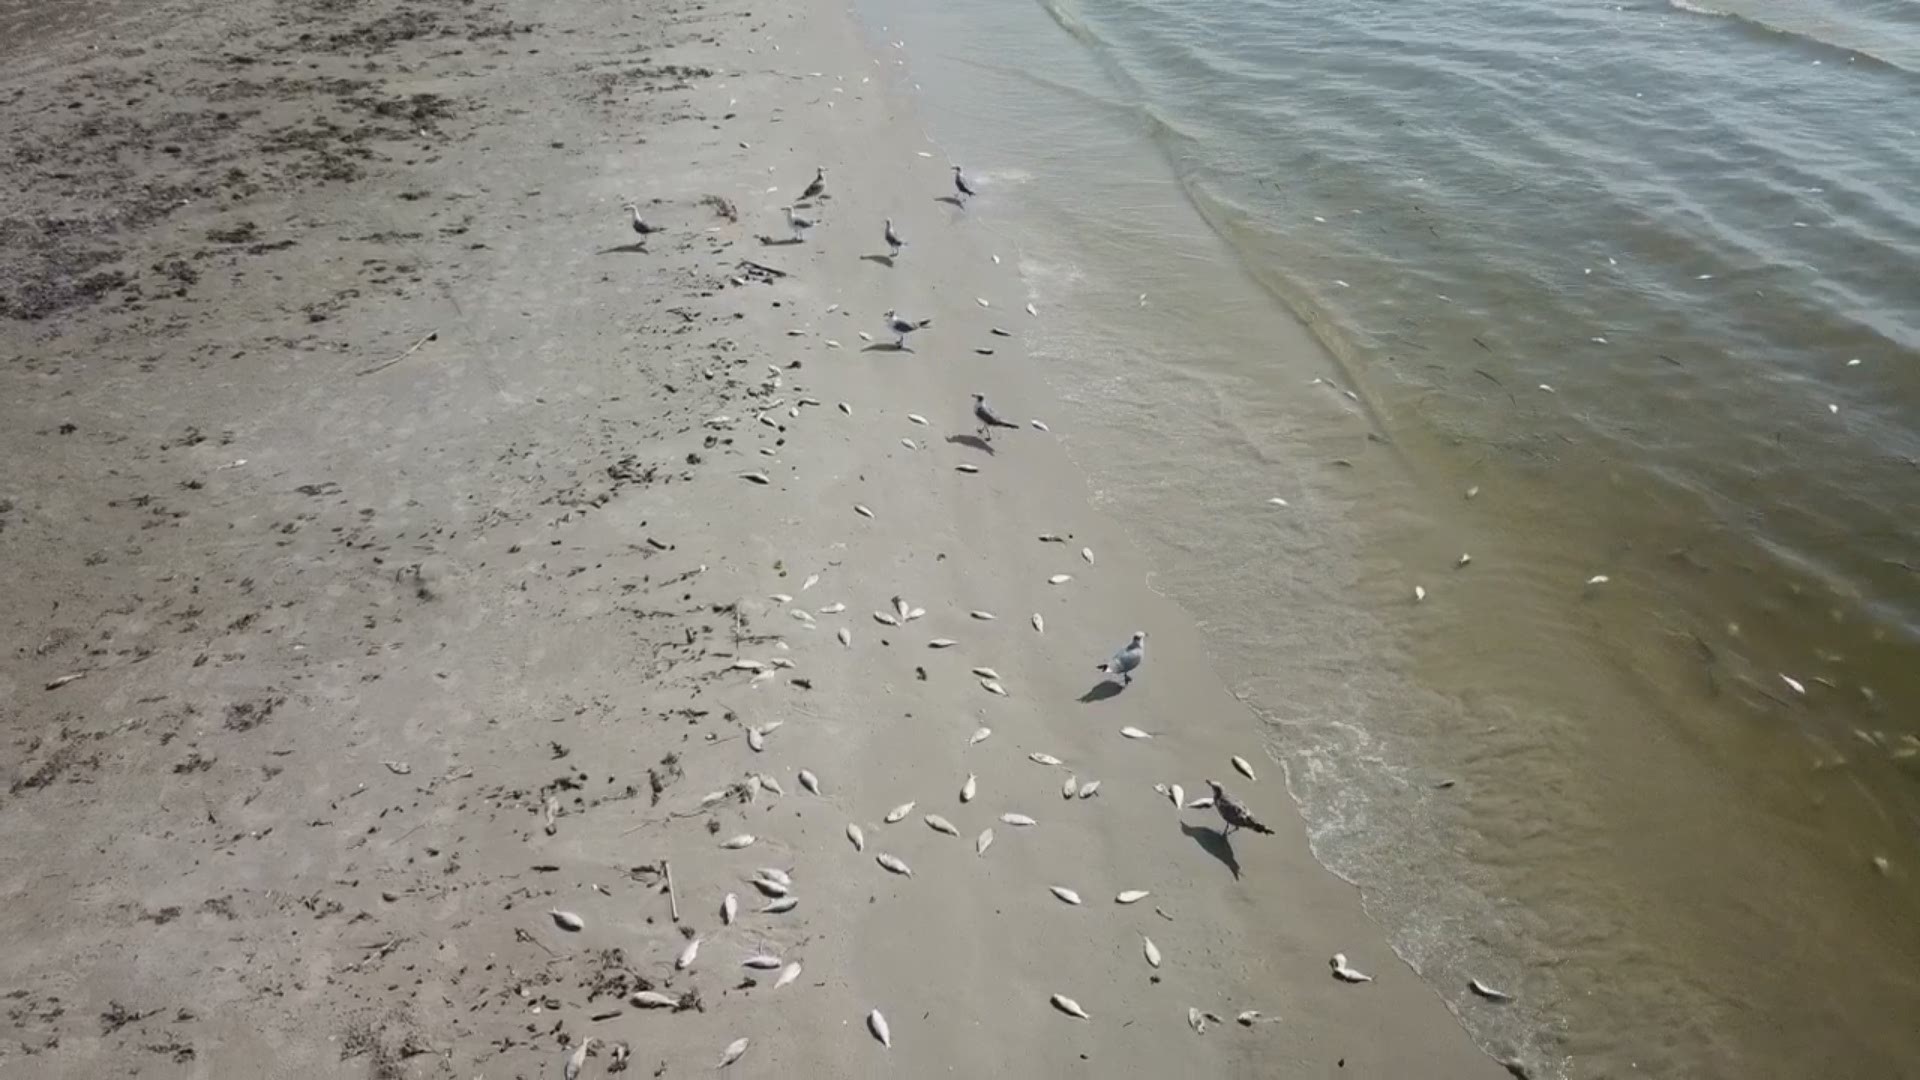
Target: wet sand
381, 557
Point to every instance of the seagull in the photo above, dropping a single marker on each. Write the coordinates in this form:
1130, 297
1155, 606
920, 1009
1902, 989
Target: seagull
819, 184
1233, 811
639, 223
893, 239
902, 327
798, 224
1127, 658
960, 185
989, 420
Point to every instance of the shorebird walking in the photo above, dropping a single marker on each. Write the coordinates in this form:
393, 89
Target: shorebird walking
1128, 658
960, 185
902, 327
989, 419
798, 224
819, 184
1234, 812
639, 223
893, 239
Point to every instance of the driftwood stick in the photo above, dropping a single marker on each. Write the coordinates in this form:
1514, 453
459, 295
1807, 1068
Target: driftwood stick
673, 899
432, 335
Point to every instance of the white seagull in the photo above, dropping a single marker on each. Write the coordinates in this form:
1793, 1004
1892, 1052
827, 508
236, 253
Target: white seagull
902, 327
989, 419
960, 185
1127, 659
893, 239
639, 223
798, 224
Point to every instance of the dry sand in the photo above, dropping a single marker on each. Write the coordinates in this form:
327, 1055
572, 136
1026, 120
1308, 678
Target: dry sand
375, 484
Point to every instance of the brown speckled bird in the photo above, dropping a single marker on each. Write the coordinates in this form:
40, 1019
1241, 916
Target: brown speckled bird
1233, 811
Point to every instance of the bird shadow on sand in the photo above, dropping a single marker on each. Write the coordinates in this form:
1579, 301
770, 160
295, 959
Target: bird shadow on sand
638, 247
769, 241
883, 260
1101, 691
950, 200
971, 442
1215, 843
886, 346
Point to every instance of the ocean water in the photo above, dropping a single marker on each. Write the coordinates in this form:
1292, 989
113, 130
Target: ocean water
1582, 291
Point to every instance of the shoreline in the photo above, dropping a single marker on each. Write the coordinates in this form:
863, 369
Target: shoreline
387, 653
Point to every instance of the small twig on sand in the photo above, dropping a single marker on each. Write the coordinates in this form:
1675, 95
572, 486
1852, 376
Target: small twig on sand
763, 268
673, 899
432, 335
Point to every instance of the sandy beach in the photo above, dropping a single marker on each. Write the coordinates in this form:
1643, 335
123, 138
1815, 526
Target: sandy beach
401, 551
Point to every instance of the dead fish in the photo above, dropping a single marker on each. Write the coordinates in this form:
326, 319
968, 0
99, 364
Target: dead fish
898, 812
1020, 820
652, 999
729, 908
941, 825
1131, 896
735, 843
552, 813
1794, 684
1151, 950
983, 842
1344, 973
862, 511
982, 301
893, 864
1044, 759
787, 975
998, 332
803, 616
986, 673
1598, 579
688, 955
1135, 733
756, 739
1240, 764
969, 789
993, 687
809, 781
712, 797
845, 635
1249, 1018
1488, 992
579, 1059
763, 962
1059, 579
773, 785
774, 873
812, 580
732, 1054
1065, 894
1464, 559
1069, 789
843, 406
784, 904
983, 616
1177, 794
748, 665
877, 1024
567, 920
1032, 312
1069, 1006
834, 608
1419, 592
966, 468
1204, 802
885, 619
1087, 554
1197, 1020
1089, 789
1039, 624
917, 418
979, 735
756, 477
771, 888
1040, 424
899, 607
916, 613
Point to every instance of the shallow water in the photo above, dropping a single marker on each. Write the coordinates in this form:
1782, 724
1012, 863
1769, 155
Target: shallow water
1684, 220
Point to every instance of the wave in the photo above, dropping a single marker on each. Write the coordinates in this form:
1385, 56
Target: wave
1804, 35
